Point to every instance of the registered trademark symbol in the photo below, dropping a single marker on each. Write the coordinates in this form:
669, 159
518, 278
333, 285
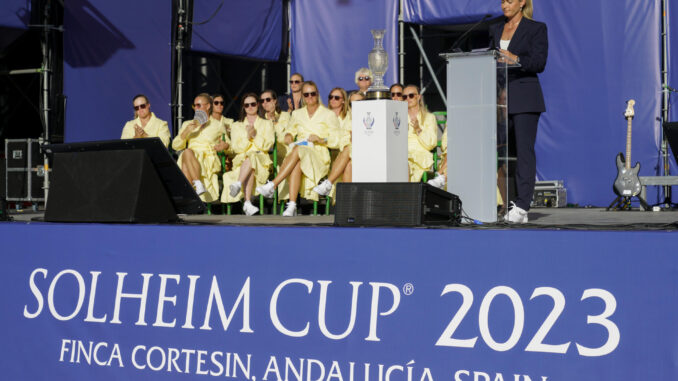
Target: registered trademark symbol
408, 289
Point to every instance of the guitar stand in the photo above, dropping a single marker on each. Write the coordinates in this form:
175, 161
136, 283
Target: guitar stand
624, 203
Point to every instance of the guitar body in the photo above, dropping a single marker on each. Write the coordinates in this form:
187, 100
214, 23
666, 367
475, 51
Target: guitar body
627, 183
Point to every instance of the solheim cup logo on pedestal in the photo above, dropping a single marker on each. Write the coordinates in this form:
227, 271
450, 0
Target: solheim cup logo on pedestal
368, 122
396, 124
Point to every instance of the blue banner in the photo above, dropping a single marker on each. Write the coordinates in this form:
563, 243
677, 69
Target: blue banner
672, 33
330, 40
114, 50
244, 28
15, 14
432, 12
156, 302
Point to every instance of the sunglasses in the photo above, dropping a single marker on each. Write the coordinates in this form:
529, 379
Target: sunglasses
335, 97
253, 104
311, 94
141, 106
396, 95
410, 95
266, 100
364, 78
295, 81
218, 103
199, 105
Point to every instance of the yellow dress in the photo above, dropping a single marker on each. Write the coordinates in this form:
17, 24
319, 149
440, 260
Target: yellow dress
257, 150
281, 148
419, 156
341, 140
315, 161
202, 143
154, 127
227, 122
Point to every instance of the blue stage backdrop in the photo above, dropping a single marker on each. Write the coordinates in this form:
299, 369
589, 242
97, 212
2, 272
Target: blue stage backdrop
598, 59
95, 302
114, 50
14, 18
330, 40
672, 17
15, 14
433, 12
245, 28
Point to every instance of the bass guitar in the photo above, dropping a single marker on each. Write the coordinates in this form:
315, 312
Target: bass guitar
627, 183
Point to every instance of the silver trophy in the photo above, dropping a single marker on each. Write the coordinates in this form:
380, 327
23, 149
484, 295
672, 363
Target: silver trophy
377, 60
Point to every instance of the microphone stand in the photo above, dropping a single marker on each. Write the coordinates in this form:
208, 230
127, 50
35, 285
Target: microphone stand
455, 46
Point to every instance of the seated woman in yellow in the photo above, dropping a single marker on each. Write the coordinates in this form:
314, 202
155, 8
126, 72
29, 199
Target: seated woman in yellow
270, 110
343, 165
441, 175
218, 115
308, 160
200, 143
251, 139
421, 134
145, 123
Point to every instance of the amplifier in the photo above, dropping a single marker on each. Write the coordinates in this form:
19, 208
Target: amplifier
24, 171
395, 204
549, 194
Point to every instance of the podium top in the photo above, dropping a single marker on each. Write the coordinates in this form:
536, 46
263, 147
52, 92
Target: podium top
497, 55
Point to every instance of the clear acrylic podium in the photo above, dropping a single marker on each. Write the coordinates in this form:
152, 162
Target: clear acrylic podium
477, 131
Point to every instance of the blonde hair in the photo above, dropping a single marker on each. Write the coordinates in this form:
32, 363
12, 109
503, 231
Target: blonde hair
363, 71
528, 9
344, 106
422, 107
317, 93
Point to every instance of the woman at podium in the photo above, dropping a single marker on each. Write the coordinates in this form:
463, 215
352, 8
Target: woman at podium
252, 138
421, 134
308, 160
526, 42
200, 143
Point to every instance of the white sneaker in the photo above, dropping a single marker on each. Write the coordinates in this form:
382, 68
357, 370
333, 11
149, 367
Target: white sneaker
250, 209
234, 188
516, 215
324, 188
199, 187
267, 189
438, 182
290, 209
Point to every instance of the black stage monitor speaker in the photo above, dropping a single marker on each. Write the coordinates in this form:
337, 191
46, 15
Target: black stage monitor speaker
107, 186
134, 180
395, 204
671, 133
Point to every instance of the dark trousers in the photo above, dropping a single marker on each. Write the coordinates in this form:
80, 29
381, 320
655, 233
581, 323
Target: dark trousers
525, 130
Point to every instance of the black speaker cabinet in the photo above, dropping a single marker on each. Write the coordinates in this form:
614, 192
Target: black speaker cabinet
395, 204
107, 186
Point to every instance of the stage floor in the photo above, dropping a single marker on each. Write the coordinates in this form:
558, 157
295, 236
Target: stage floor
540, 218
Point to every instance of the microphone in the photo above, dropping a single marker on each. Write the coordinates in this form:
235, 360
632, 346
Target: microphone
669, 88
455, 46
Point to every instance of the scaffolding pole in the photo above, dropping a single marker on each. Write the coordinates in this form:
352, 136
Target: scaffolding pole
428, 65
665, 100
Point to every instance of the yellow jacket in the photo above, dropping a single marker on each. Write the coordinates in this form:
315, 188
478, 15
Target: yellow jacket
262, 142
154, 127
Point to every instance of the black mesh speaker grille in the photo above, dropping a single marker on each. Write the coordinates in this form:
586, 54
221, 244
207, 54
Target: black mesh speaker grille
392, 204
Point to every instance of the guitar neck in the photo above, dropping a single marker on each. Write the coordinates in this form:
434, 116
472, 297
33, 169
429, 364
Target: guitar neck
628, 142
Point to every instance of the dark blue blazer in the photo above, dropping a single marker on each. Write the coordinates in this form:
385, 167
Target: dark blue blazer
530, 44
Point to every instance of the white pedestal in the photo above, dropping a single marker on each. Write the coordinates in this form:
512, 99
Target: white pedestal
379, 141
